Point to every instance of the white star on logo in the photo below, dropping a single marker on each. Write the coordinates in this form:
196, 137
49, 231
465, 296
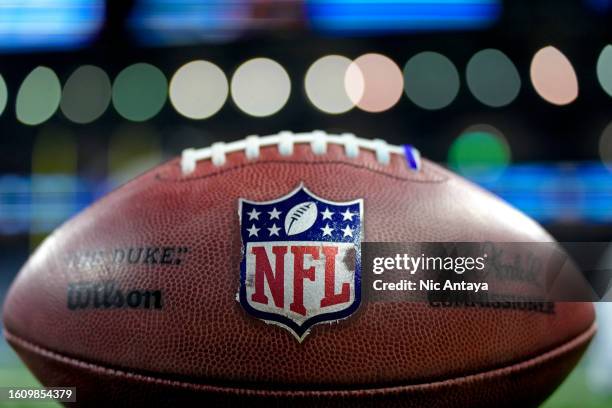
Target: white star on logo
274, 213
326, 230
348, 232
254, 214
327, 214
347, 215
253, 230
274, 230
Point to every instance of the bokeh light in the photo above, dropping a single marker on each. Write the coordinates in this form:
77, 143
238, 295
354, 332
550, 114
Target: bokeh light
431, 80
171, 22
54, 151
600, 6
139, 92
53, 25
605, 146
604, 69
198, 89
479, 149
38, 96
54, 165
358, 18
86, 94
3, 94
260, 87
354, 83
325, 84
492, 78
553, 76
374, 82
133, 149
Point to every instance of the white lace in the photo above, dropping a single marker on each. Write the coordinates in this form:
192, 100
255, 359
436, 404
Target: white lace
285, 141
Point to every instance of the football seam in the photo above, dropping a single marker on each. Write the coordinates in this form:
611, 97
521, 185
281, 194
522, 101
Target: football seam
441, 178
560, 350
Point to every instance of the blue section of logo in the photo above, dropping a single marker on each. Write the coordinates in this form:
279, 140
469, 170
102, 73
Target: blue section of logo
301, 216
334, 223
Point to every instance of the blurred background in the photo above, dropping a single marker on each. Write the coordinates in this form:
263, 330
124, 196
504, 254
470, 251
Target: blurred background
515, 95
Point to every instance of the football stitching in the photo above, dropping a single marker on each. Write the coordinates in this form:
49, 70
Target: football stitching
160, 177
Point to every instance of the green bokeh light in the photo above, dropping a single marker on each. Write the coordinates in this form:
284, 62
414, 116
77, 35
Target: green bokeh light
140, 92
3, 95
478, 149
604, 69
492, 78
86, 94
38, 97
431, 80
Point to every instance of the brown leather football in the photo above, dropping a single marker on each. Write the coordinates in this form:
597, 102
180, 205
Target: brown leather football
228, 277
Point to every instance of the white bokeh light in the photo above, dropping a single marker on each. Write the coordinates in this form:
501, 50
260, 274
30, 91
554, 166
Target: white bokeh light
260, 87
325, 84
198, 89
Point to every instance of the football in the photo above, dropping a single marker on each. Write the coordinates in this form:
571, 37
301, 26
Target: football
228, 277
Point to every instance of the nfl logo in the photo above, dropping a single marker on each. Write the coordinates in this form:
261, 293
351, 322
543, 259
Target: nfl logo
301, 262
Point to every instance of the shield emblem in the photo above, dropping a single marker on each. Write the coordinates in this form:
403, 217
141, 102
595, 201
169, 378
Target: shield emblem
301, 260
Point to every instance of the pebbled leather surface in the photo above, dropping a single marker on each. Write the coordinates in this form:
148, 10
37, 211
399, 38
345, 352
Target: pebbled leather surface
202, 335
524, 384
